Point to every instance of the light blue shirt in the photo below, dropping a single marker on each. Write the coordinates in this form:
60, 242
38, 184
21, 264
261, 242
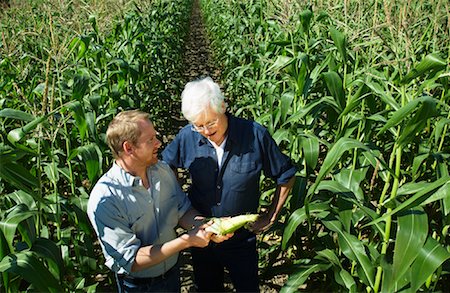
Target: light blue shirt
127, 216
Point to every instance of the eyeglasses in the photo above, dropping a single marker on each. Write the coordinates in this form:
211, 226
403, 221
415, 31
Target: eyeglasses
206, 126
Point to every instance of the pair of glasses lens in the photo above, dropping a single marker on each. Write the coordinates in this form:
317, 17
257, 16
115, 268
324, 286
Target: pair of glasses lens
206, 126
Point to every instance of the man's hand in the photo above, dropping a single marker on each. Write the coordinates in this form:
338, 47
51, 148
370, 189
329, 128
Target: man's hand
221, 238
263, 224
198, 237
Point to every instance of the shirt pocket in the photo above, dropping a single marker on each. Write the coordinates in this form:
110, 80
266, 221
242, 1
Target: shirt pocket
243, 174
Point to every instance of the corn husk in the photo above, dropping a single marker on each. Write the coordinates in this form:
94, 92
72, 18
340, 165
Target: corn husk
223, 226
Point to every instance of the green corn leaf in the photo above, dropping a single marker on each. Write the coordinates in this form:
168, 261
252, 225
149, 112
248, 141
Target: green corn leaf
418, 122
334, 85
431, 256
431, 62
8, 225
299, 277
354, 250
347, 194
91, 156
412, 231
49, 250
439, 128
329, 255
384, 95
16, 135
223, 226
402, 114
21, 197
348, 280
301, 113
285, 104
18, 176
340, 42
355, 100
334, 156
80, 118
51, 170
417, 199
305, 18
311, 148
27, 265
16, 114
316, 209
280, 63
441, 193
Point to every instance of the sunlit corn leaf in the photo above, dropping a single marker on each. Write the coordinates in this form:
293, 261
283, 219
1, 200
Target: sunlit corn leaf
16, 114
27, 265
301, 275
311, 148
355, 100
402, 114
51, 170
8, 225
334, 85
301, 113
223, 226
384, 94
329, 255
418, 198
21, 197
431, 62
347, 194
334, 155
316, 209
418, 162
431, 256
16, 135
80, 118
285, 104
340, 42
418, 122
354, 249
280, 63
442, 193
348, 280
412, 231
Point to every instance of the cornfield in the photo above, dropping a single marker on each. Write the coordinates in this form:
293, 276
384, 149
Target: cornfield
355, 92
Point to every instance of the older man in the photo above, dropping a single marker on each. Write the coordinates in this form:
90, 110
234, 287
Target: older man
225, 156
136, 206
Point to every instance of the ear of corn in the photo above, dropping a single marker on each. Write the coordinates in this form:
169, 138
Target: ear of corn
222, 226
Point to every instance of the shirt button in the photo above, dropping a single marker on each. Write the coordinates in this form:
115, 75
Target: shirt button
219, 187
218, 204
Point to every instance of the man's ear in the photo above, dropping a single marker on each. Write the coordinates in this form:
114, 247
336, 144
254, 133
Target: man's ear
127, 147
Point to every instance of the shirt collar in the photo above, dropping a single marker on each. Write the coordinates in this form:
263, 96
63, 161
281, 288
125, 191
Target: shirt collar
125, 178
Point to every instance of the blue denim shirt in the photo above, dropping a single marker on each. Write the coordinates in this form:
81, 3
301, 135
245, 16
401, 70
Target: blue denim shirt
249, 150
126, 215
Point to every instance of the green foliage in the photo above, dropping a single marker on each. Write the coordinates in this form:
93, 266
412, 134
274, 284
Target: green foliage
58, 93
360, 103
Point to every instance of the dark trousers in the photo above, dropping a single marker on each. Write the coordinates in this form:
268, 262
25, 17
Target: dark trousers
168, 282
239, 258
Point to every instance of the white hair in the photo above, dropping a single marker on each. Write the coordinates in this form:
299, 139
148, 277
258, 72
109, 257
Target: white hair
200, 94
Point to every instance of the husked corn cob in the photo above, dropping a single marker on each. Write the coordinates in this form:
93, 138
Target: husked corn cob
222, 226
